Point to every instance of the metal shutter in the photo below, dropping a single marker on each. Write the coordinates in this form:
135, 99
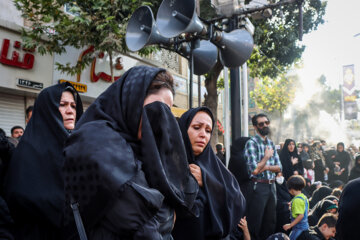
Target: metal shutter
12, 112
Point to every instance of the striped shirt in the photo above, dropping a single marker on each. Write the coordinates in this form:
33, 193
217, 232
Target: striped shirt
255, 151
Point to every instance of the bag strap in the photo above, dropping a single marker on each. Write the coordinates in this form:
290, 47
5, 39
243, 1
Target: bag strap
79, 224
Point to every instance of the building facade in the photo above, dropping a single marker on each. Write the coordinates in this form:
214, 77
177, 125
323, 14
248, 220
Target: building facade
24, 73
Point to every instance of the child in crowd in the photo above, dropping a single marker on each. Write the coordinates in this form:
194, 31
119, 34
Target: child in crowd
309, 170
299, 207
325, 229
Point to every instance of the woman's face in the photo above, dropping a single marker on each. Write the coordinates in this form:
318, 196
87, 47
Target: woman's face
199, 132
164, 95
306, 149
67, 109
291, 146
340, 148
300, 148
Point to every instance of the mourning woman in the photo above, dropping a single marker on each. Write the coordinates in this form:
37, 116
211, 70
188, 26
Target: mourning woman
219, 200
126, 164
290, 160
34, 183
347, 226
341, 163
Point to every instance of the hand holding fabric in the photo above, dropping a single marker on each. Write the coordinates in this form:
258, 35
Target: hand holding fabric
196, 172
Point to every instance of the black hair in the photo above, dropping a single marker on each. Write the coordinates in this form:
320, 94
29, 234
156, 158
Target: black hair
162, 80
219, 147
72, 91
16, 127
28, 110
296, 182
255, 117
328, 218
2, 133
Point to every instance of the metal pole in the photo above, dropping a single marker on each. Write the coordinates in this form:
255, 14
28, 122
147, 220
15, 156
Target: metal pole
235, 95
191, 67
245, 100
227, 119
199, 91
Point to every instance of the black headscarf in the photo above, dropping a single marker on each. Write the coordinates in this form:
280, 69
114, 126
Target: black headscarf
320, 209
285, 158
319, 194
104, 152
34, 183
342, 157
224, 203
238, 163
347, 226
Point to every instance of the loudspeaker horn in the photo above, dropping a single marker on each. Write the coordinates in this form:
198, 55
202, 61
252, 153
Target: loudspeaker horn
205, 56
178, 16
234, 47
142, 31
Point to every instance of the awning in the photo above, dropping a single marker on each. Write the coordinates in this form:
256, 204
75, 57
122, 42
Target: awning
178, 111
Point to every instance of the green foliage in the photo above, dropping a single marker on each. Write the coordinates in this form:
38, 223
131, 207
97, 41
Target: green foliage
100, 23
327, 99
278, 47
274, 95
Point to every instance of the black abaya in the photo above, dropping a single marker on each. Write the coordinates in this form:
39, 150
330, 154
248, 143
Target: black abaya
128, 188
288, 168
220, 200
348, 223
34, 188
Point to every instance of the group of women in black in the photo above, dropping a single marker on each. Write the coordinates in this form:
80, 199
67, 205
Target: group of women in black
128, 170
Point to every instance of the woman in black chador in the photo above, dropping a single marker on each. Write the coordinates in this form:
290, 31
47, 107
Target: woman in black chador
34, 182
290, 159
126, 163
219, 200
341, 163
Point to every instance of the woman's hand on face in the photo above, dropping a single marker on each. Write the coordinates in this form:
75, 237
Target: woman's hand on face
196, 172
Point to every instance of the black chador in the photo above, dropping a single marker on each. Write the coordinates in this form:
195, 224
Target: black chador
128, 188
34, 188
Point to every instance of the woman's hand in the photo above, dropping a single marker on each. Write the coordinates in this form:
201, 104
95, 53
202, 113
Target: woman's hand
294, 161
243, 224
196, 172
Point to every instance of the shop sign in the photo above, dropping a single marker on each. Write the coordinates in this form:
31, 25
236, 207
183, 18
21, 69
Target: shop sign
94, 76
30, 84
78, 86
26, 63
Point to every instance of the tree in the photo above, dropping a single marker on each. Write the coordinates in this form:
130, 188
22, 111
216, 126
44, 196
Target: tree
98, 23
277, 45
275, 95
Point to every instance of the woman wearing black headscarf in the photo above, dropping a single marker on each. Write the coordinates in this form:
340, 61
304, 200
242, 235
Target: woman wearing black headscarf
238, 166
34, 187
341, 163
355, 171
126, 163
324, 206
348, 223
220, 200
319, 194
290, 160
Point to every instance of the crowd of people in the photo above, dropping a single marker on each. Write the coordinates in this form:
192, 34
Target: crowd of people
128, 169
296, 190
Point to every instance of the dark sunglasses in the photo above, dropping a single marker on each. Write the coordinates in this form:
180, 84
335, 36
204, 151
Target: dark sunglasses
261, 124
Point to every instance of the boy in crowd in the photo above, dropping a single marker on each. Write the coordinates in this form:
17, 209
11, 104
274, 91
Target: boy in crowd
299, 207
325, 229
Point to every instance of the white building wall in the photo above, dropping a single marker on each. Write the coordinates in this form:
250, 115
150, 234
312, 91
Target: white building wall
8, 12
